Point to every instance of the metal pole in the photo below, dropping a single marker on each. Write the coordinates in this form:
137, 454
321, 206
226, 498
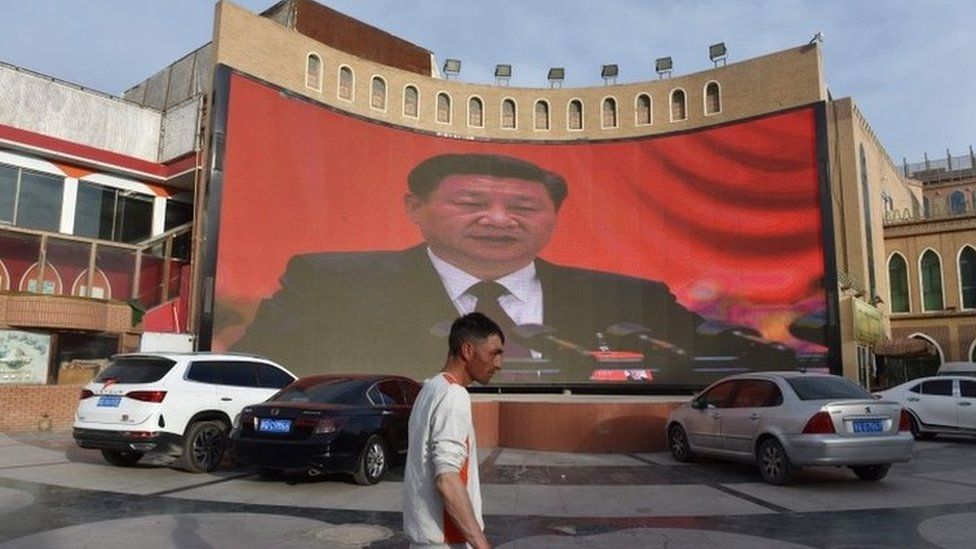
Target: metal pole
91, 269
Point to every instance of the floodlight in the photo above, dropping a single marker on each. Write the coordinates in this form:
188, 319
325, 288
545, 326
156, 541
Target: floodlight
663, 66
502, 74
452, 67
556, 77
716, 52
608, 73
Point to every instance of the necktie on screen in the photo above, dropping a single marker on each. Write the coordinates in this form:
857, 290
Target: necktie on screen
487, 293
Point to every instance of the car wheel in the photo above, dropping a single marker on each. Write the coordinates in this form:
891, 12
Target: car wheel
774, 464
678, 443
871, 472
203, 446
372, 462
122, 458
917, 429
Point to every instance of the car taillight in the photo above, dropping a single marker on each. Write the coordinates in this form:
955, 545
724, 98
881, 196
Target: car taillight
321, 426
85, 393
904, 422
147, 396
326, 426
819, 424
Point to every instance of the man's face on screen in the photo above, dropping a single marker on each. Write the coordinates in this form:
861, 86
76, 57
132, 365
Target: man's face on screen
487, 226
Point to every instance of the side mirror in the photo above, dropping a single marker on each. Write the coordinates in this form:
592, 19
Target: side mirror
698, 404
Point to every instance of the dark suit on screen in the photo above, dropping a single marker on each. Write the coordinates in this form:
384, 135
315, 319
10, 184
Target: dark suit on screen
374, 311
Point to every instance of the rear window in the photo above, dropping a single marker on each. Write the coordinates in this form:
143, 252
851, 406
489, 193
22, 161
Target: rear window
136, 370
345, 391
821, 388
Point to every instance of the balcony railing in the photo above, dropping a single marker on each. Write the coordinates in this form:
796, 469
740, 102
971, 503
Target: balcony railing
936, 212
145, 274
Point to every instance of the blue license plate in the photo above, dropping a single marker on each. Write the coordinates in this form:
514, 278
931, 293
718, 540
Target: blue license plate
109, 401
862, 426
274, 425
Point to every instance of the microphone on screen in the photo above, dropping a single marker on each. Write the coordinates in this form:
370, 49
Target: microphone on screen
643, 333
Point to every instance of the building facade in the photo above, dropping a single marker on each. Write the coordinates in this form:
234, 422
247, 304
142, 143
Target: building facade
103, 211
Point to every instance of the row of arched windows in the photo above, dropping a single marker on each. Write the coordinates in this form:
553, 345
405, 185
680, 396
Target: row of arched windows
955, 204
931, 280
643, 104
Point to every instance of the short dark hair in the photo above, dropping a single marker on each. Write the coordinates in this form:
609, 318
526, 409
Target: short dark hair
471, 327
427, 175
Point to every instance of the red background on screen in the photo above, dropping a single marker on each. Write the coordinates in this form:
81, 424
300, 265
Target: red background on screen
728, 217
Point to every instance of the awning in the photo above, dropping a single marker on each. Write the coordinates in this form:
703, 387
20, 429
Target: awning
904, 347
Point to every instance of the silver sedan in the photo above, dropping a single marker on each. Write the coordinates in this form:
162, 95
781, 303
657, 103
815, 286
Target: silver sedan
786, 420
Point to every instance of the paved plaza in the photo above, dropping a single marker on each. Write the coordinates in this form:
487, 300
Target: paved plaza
55, 495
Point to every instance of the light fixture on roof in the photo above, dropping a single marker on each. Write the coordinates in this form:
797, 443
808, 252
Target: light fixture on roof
609, 74
503, 73
717, 52
556, 76
452, 67
663, 66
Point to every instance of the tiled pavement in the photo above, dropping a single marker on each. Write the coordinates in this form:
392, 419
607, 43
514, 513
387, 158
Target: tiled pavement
53, 494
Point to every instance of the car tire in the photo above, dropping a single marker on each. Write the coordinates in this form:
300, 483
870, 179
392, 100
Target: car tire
122, 458
774, 464
871, 473
678, 444
917, 429
372, 462
204, 445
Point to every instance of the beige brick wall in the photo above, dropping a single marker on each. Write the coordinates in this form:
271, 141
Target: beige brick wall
263, 48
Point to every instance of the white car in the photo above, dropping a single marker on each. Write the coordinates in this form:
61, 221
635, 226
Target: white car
940, 404
181, 404
782, 421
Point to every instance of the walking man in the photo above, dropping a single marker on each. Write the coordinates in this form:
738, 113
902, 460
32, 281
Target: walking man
442, 492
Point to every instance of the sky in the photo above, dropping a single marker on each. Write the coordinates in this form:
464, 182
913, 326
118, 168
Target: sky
909, 65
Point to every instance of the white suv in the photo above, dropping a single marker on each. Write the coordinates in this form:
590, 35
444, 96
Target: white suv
181, 404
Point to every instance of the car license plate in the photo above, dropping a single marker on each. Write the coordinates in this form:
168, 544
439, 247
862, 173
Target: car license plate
274, 425
862, 426
109, 401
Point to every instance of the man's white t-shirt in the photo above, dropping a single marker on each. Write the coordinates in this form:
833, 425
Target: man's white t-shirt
441, 440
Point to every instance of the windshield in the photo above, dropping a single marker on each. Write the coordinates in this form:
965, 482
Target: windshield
136, 370
343, 391
826, 387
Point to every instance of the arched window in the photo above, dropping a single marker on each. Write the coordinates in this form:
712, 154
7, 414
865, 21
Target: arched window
926, 206
443, 108
575, 115
346, 80
678, 111
609, 113
643, 107
377, 98
508, 114
476, 112
931, 273
541, 115
915, 206
957, 203
898, 283
713, 98
967, 277
313, 72
411, 102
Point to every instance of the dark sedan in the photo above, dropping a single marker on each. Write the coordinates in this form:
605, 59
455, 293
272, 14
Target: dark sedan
328, 424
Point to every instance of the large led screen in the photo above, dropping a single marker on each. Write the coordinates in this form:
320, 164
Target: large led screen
347, 245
